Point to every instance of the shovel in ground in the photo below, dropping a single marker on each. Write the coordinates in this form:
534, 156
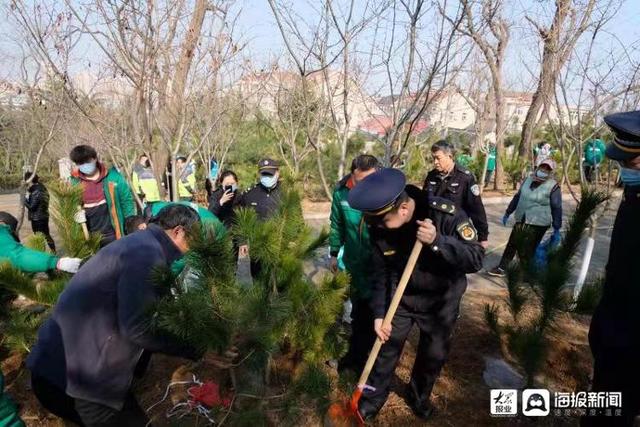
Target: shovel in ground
346, 413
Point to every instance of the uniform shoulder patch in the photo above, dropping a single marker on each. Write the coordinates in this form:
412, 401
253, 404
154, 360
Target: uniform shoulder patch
475, 190
442, 205
467, 231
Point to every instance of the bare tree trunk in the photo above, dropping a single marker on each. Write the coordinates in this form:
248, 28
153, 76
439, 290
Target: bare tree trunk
558, 43
188, 48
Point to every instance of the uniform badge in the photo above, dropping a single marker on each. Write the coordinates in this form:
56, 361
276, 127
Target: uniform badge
466, 231
475, 190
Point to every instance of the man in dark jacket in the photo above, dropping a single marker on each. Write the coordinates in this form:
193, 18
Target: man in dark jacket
83, 362
397, 215
457, 184
37, 204
614, 335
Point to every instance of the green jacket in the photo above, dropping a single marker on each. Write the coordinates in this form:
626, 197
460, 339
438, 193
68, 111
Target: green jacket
349, 230
491, 163
121, 205
21, 257
8, 410
594, 151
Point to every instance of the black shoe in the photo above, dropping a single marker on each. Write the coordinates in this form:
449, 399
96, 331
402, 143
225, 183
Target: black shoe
422, 410
367, 410
497, 272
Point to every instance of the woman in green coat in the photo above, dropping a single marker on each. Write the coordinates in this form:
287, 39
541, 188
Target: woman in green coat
25, 259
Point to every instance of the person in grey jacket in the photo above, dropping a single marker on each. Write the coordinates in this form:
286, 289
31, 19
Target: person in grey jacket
537, 205
83, 362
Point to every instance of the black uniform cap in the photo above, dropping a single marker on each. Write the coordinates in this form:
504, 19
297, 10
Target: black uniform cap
626, 140
268, 165
376, 194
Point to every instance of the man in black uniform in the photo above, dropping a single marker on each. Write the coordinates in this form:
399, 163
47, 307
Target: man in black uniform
457, 184
397, 215
264, 198
614, 335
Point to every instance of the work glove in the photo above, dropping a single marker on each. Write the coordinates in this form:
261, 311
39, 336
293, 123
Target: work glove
70, 265
505, 218
555, 238
80, 216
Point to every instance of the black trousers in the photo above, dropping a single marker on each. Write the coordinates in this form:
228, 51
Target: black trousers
617, 372
615, 369
256, 268
42, 226
590, 172
524, 240
86, 413
362, 336
436, 327
488, 178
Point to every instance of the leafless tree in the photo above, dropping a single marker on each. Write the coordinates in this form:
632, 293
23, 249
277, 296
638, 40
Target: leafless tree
427, 41
490, 33
158, 55
571, 19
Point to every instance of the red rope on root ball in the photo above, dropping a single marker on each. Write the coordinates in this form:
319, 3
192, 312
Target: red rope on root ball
208, 394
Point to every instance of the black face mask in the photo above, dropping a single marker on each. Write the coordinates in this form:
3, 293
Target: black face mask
147, 164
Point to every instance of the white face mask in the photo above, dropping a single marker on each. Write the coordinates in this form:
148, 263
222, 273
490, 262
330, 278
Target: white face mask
87, 168
268, 181
542, 174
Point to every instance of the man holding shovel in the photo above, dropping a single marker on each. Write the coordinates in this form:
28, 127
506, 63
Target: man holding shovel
106, 197
397, 215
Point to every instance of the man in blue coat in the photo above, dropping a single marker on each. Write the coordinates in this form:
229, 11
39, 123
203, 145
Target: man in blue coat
83, 362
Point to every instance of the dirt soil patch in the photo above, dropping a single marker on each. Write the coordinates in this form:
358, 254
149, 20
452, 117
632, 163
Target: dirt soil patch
460, 396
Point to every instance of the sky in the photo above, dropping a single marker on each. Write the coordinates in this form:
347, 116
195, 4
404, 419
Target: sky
256, 26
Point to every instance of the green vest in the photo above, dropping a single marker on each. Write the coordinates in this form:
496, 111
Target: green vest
534, 206
144, 182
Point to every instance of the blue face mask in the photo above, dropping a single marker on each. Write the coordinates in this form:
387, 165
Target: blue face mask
87, 168
268, 181
630, 177
542, 174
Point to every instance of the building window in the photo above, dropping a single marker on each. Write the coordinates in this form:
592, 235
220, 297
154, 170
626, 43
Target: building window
464, 116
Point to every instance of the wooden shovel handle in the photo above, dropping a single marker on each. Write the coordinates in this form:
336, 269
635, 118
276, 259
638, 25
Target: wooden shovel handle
397, 296
85, 229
